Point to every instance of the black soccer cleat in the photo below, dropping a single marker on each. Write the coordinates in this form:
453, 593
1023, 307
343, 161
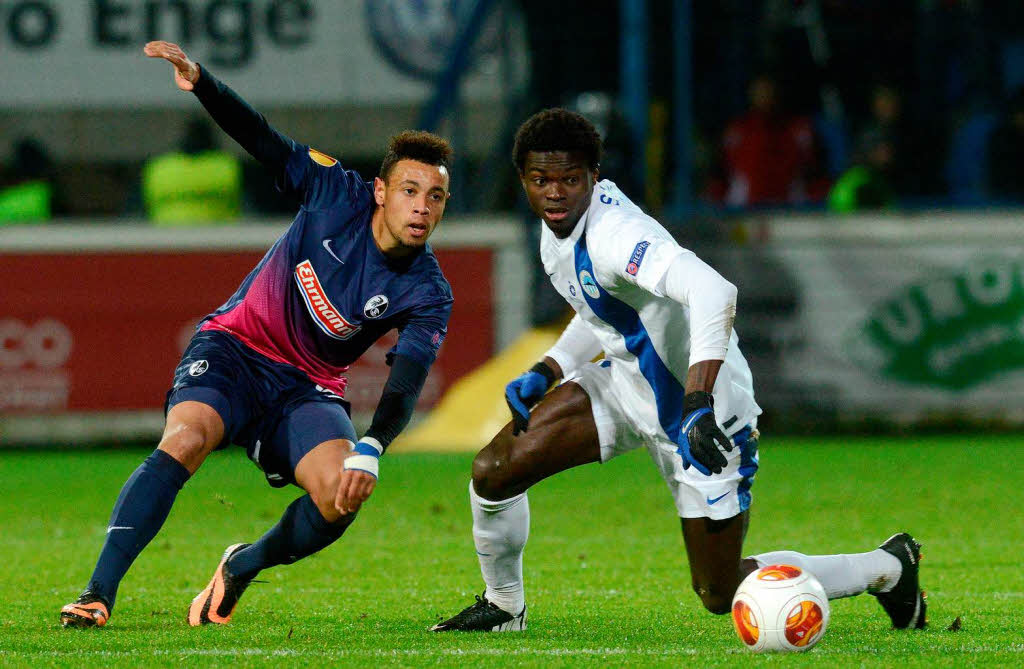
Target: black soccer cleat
905, 603
483, 616
217, 602
89, 610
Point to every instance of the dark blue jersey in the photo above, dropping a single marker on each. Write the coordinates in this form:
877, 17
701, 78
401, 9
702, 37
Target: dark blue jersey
324, 292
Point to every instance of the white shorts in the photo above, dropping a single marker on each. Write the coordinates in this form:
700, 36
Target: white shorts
718, 496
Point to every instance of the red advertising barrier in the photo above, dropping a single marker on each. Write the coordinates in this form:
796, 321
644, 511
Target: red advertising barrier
103, 331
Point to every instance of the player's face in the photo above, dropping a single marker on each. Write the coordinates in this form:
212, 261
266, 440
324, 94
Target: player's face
411, 204
558, 185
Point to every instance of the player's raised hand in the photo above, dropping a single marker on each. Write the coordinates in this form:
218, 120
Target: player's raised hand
701, 441
524, 391
186, 72
358, 478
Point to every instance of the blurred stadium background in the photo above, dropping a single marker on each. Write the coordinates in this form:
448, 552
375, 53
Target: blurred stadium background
854, 167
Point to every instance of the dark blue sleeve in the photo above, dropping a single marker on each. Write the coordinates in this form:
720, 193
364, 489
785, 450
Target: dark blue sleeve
244, 124
410, 360
314, 177
422, 336
397, 402
320, 181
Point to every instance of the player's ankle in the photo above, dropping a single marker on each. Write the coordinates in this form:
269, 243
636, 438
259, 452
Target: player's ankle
508, 600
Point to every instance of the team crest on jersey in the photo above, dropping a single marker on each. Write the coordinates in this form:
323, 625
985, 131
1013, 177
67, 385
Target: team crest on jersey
589, 284
638, 257
324, 314
198, 367
322, 158
375, 306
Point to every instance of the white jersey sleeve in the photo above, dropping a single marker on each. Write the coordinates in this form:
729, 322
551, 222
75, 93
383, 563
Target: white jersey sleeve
712, 302
634, 249
577, 345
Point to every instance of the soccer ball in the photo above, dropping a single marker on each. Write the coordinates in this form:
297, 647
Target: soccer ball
780, 607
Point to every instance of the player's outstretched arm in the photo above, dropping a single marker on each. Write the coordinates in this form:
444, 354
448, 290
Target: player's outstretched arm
233, 114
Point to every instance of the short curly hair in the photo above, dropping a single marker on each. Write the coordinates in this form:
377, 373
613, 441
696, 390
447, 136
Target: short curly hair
557, 130
418, 145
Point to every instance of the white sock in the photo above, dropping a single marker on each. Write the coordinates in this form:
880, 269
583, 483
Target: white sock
500, 530
843, 575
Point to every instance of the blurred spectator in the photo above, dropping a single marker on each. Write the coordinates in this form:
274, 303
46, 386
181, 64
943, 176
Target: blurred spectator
866, 185
197, 185
29, 197
1006, 152
769, 155
917, 148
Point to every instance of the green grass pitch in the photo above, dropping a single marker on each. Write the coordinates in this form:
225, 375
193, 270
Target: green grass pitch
606, 573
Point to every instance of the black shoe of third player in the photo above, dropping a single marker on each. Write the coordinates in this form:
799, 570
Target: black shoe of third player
483, 616
905, 603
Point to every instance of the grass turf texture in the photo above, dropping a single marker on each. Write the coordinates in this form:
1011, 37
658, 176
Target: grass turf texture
605, 568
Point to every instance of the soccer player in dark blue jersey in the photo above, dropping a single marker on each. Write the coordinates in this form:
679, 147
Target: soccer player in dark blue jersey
264, 371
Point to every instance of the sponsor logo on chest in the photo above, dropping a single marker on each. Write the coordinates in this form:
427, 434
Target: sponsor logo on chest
325, 315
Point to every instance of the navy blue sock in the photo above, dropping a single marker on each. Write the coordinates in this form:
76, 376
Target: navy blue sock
301, 531
139, 513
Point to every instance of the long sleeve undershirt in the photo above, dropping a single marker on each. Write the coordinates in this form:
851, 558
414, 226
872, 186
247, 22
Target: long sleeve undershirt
398, 399
244, 124
712, 302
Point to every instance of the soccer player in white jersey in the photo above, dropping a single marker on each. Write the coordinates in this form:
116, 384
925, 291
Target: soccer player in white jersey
672, 380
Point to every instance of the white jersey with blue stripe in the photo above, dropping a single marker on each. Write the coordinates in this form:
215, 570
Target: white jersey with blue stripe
611, 269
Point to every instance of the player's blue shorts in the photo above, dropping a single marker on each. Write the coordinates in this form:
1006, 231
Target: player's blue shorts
272, 409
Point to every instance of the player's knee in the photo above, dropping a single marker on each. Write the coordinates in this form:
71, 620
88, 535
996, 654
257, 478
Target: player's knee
485, 474
323, 491
187, 443
715, 599
491, 474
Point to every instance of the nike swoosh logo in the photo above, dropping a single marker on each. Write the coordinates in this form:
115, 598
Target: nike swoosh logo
327, 246
118, 527
717, 499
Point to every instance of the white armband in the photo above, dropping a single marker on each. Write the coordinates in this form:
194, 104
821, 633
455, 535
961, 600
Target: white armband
367, 458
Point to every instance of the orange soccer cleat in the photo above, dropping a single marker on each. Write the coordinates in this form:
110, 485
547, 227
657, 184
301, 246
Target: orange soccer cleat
89, 610
217, 602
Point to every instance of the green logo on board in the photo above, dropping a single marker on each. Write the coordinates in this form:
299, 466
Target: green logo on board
953, 332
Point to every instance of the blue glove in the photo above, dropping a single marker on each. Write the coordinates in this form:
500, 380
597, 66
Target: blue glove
526, 390
701, 441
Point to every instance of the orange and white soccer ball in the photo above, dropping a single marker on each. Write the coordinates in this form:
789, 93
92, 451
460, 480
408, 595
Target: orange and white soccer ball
780, 607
